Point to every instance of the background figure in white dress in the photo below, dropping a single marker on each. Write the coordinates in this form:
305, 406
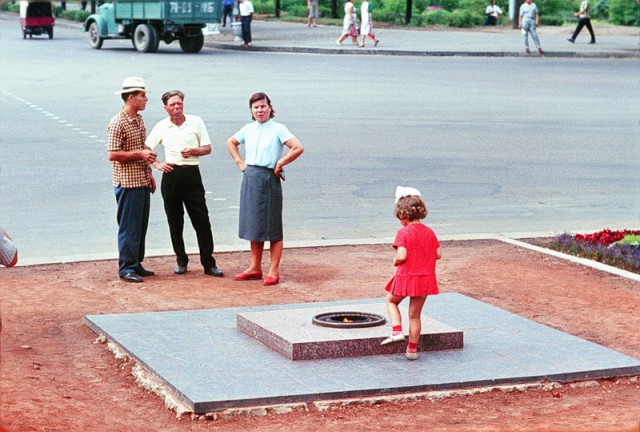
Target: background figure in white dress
349, 23
366, 25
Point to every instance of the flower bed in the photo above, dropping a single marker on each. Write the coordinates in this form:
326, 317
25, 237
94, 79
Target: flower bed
615, 248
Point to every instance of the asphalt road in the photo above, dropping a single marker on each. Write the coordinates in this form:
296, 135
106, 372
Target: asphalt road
496, 145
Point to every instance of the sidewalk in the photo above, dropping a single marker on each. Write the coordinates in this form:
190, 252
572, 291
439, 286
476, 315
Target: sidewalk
277, 36
502, 41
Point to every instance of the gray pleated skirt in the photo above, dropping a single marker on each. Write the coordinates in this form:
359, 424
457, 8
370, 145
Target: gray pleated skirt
260, 205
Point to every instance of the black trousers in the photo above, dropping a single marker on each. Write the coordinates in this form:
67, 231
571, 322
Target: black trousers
491, 20
182, 188
246, 28
581, 23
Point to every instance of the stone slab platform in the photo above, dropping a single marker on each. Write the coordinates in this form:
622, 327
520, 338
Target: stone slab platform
211, 366
291, 333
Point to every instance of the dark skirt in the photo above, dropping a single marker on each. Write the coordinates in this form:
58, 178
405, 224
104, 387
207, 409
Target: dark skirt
260, 205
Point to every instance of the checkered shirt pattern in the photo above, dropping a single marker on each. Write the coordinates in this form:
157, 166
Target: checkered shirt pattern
125, 133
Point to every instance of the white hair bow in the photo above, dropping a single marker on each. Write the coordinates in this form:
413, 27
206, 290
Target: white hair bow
403, 191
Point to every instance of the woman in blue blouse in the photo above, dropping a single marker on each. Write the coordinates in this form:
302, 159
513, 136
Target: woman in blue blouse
261, 191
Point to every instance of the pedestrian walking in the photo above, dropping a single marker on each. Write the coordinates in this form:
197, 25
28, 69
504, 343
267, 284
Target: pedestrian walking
417, 249
349, 24
366, 23
185, 139
584, 19
528, 22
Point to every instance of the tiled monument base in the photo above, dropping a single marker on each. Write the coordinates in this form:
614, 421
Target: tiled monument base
291, 333
209, 365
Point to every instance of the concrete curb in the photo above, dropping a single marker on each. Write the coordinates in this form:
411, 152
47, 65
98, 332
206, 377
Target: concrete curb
340, 51
577, 260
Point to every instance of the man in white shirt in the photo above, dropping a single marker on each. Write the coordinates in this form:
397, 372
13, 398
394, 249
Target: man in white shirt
493, 12
584, 19
246, 16
185, 139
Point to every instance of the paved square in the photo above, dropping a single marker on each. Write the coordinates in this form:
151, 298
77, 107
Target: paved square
211, 366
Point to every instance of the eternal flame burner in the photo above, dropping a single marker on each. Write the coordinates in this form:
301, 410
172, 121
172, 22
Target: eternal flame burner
348, 320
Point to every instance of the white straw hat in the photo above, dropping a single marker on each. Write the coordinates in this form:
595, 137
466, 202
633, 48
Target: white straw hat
132, 84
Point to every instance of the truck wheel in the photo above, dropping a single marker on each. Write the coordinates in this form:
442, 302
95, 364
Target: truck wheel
50, 32
95, 40
145, 38
155, 46
156, 39
192, 44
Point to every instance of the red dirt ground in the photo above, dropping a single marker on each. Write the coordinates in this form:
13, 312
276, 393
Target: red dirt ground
54, 378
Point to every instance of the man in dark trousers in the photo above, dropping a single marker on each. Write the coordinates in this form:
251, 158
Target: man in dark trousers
131, 176
584, 19
185, 140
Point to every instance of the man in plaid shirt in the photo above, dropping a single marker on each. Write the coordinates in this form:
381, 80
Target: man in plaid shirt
132, 180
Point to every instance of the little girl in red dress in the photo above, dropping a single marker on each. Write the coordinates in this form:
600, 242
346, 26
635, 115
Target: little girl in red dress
417, 249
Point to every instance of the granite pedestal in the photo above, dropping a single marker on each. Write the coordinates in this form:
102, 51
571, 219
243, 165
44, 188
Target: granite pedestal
290, 332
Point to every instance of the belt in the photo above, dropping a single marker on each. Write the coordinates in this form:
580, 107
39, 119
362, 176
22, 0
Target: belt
185, 166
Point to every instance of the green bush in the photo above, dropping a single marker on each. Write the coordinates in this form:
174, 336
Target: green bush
600, 10
420, 5
264, 7
73, 15
551, 20
416, 21
553, 7
444, 4
435, 17
389, 17
11, 7
397, 7
297, 10
325, 11
464, 18
624, 12
473, 5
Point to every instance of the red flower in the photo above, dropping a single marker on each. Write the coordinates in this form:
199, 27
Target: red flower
605, 237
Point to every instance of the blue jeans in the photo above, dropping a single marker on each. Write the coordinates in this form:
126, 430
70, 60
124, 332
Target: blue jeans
529, 26
133, 219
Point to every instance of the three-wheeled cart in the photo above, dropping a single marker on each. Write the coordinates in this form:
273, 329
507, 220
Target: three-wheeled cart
36, 18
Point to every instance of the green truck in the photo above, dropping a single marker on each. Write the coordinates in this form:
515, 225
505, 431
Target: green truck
147, 22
